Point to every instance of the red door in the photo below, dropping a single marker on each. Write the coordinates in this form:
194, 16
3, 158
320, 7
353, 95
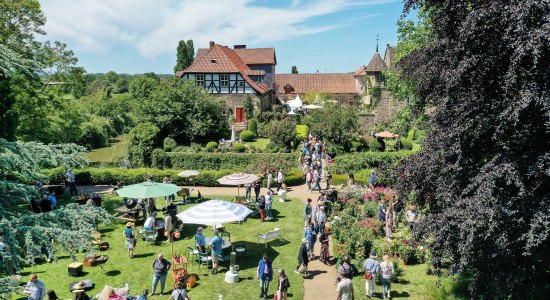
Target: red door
239, 112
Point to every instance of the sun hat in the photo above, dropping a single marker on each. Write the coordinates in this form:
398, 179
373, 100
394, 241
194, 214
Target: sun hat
304, 240
129, 224
373, 254
79, 287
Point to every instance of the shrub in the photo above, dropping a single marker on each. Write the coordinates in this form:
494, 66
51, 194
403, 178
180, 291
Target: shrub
159, 159
231, 161
211, 146
247, 136
169, 144
239, 148
252, 125
376, 146
407, 144
302, 132
282, 133
355, 146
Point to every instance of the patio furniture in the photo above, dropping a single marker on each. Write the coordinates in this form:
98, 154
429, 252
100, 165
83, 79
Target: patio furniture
269, 236
214, 212
96, 260
240, 248
192, 253
225, 244
75, 269
205, 258
226, 234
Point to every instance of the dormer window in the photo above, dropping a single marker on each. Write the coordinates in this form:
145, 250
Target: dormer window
214, 61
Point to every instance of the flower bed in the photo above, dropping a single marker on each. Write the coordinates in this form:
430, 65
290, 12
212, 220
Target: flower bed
359, 230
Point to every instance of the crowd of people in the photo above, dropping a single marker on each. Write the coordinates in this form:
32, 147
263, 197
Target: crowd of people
314, 163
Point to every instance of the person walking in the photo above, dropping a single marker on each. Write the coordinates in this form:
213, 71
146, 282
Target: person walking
168, 226
398, 206
130, 235
217, 245
264, 273
372, 180
307, 212
160, 271
284, 284
411, 217
325, 253
310, 236
309, 180
269, 180
280, 179
71, 180
382, 211
386, 270
321, 218
303, 258
345, 288
389, 223
316, 180
53, 200
372, 267
268, 205
261, 207
35, 289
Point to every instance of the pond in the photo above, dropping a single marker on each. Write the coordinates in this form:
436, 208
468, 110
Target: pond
118, 148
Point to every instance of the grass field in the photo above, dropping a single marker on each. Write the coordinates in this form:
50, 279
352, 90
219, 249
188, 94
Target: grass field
259, 143
138, 273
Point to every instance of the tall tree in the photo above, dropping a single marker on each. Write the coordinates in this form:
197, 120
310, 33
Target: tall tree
294, 70
482, 175
335, 123
185, 55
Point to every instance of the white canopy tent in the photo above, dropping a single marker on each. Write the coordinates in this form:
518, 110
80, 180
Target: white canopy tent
296, 103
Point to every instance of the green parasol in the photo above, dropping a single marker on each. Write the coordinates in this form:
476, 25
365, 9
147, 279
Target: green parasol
148, 190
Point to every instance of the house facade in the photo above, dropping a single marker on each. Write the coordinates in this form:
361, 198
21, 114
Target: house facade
233, 75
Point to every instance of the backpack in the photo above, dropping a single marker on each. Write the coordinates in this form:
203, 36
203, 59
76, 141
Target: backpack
348, 271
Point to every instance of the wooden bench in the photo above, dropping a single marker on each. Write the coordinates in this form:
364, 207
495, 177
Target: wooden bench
268, 236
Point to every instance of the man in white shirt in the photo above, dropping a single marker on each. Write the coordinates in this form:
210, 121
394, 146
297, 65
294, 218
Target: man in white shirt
280, 179
71, 181
345, 288
149, 224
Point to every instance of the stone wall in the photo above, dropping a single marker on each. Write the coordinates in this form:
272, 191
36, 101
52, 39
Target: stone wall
387, 107
365, 123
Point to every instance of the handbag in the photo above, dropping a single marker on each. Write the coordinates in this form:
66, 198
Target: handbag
367, 275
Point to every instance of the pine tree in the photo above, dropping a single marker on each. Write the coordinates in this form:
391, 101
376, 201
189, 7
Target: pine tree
181, 56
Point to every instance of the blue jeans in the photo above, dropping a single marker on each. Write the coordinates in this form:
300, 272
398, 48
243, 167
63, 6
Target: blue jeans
264, 285
162, 279
268, 210
386, 287
317, 186
309, 185
247, 194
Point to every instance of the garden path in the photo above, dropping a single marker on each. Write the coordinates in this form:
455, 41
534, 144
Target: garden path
321, 286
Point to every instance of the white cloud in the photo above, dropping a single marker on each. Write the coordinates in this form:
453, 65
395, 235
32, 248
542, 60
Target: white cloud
154, 27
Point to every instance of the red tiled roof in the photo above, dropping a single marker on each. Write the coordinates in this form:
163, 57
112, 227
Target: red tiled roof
376, 64
258, 56
220, 59
336, 83
254, 56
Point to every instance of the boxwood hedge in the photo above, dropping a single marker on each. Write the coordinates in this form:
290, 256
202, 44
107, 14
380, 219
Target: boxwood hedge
346, 163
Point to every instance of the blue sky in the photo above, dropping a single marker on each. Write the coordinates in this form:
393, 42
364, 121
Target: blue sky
137, 36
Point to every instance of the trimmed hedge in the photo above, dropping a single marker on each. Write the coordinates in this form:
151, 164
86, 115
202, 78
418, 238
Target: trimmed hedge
346, 163
211, 146
301, 132
407, 144
239, 148
247, 136
375, 145
111, 176
230, 161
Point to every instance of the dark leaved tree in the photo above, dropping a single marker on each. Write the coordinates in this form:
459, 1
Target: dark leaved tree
483, 172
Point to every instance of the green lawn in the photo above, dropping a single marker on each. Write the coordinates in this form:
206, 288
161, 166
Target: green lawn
137, 272
259, 143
